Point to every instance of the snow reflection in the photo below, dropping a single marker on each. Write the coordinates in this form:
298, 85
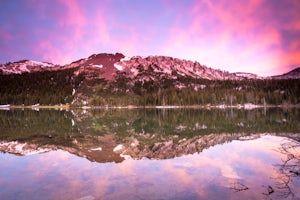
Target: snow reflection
234, 170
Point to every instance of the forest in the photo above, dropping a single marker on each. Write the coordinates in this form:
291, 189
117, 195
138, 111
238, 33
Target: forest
45, 88
57, 87
190, 91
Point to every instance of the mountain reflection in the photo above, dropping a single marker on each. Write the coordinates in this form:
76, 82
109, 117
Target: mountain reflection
113, 135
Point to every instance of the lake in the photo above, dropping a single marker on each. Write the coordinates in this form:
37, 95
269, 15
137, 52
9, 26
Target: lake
150, 154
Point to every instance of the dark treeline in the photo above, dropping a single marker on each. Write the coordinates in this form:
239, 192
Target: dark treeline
46, 88
56, 87
43, 127
191, 122
189, 91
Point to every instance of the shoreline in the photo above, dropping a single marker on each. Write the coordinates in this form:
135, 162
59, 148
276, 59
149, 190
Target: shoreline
247, 106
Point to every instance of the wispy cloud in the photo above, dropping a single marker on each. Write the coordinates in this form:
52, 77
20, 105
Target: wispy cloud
257, 36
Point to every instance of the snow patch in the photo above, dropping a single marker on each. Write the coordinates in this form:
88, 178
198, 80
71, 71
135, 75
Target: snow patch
119, 67
97, 149
23, 68
21, 148
126, 157
99, 66
37, 63
125, 59
118, 148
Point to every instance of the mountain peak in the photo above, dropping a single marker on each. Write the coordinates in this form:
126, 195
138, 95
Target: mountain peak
97, 65
294, 74
106, 55
106, 65
25, 66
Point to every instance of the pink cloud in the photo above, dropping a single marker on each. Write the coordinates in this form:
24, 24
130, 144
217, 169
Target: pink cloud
294, 45
236, 34
73, 17
230, 35
292, 58
59, 42
101, 27
86, 32
50, 53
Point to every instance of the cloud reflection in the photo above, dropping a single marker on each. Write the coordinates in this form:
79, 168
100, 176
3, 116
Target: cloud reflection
208, 174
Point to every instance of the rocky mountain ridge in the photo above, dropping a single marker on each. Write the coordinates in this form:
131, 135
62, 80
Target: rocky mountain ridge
107, 65
116, 80
294, 74
132, 149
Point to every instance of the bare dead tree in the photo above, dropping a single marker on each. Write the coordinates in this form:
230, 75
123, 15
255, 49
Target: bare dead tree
238, 187
289, 170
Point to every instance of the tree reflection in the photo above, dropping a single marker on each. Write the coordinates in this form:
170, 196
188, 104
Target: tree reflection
238, 187
289, 170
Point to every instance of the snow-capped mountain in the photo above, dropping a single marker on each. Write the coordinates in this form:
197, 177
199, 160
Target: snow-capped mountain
113, 79
247, 75
97, 65
106, 66
25, 66
169, 67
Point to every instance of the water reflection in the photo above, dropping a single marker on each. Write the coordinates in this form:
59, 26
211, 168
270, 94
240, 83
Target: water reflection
112, 135
150, 154
209, 175
289, 169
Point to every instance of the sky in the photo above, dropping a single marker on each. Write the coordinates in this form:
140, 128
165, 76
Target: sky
256, 36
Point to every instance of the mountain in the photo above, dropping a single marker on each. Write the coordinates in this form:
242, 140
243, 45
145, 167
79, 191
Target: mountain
113, 79
105, 135
106, 65
111, 152
25, 66
247, 75
97, 65
294, 74
169, 67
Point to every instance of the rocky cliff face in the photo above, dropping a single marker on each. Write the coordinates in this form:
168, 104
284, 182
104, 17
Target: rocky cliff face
170, 67
97, 66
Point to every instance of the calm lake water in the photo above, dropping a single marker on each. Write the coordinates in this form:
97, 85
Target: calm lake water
150, 154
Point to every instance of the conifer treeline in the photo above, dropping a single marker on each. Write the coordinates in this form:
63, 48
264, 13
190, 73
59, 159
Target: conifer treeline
199, 92
56, 87
46, 88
